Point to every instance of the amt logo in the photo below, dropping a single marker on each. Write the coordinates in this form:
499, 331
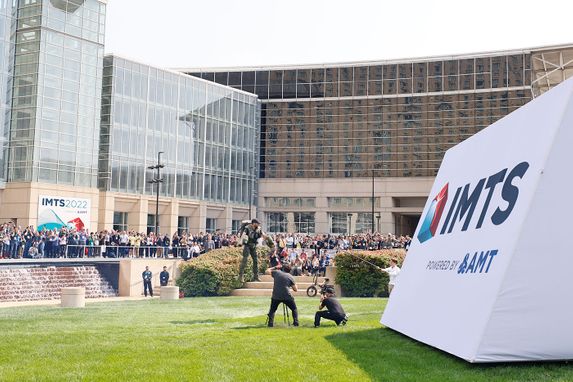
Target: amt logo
466, 200
432, 218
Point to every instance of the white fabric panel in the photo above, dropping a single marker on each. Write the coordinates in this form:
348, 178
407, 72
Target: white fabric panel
532, 317
461, 309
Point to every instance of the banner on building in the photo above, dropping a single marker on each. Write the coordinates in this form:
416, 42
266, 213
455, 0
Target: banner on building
55, 212
488, 275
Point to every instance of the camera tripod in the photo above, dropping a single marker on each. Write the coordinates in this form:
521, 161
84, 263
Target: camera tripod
286, 315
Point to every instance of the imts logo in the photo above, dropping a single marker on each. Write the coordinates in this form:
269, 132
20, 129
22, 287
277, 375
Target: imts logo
466, 199
432, 219
53, 202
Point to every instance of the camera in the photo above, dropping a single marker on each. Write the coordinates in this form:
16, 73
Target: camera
326, 288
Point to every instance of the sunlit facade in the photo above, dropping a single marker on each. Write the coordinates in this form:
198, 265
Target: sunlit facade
7, 25
78, 126
54, 86
57, 92
329, 131
327, 148
208, 136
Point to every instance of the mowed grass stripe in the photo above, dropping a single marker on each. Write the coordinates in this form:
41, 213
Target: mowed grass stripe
224, 339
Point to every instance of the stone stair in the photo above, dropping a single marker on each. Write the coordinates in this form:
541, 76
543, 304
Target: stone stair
265, 286
157, 288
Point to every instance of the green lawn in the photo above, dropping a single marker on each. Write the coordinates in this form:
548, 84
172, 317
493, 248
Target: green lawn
224, 339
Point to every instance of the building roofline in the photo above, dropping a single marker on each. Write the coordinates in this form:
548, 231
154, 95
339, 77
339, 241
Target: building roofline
373, 62
182, 74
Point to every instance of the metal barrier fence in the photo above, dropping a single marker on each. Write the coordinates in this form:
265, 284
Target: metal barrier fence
95, 251
120, 251
128, 251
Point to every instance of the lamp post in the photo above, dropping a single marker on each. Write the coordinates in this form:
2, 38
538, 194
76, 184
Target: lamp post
157, 180
372, 201
251, 168
378, 223
349, 224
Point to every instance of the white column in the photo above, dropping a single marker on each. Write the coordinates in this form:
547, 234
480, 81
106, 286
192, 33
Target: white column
198, 220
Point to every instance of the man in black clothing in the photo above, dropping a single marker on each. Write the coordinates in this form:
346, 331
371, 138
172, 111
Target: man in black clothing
333, 310
283, 283
164, 277
165, 242
147, 276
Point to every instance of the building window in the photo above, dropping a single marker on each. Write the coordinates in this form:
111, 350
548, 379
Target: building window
276, 222
151, 223
182, 224
289, 202
358, 203
364, 223
339, 222
235, 225
120, 221
304, 222
211, 225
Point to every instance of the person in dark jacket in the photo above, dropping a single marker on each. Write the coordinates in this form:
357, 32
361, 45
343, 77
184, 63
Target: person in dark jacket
165, 242
333, 310
147, 276
164, 277
282, 284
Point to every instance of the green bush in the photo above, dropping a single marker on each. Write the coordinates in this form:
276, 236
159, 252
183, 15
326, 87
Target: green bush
215, 273
360, 279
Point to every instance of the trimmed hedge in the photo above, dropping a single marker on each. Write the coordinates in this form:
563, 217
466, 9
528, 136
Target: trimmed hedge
360, 279
215, 273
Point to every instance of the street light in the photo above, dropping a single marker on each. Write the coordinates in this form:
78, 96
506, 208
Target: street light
157, 180
372, 200
251, 168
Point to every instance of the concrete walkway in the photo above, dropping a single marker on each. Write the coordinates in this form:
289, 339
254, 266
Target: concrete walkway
15, 304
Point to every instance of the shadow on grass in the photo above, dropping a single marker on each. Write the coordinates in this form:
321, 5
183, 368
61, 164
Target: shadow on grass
193, 322
260, 326
263, 325
386, 355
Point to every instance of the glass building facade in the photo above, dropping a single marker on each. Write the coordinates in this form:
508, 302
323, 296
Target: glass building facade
208, 133
308, 145
54, 134
327, 129
7, 17
397, 118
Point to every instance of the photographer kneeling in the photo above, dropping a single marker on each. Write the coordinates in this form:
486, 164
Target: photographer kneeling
283, 282
333, 310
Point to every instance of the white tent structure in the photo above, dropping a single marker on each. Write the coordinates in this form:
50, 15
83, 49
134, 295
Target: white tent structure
489, 275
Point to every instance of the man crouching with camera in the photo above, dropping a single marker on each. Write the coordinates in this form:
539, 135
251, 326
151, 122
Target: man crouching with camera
333, 310
283, 283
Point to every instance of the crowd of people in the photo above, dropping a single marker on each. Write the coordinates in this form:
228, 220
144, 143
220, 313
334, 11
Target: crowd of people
16, 242
309, 255
298, 249
363, 241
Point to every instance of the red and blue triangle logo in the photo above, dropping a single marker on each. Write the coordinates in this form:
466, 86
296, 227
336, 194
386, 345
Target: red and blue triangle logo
433, 216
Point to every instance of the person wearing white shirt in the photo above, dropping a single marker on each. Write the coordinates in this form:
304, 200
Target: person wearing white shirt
290, 242
393, 271
195, 250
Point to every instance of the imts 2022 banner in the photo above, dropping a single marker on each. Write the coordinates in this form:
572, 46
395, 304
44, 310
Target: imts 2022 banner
56, 212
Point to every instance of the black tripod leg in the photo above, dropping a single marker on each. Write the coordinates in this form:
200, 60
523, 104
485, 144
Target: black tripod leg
286, 314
